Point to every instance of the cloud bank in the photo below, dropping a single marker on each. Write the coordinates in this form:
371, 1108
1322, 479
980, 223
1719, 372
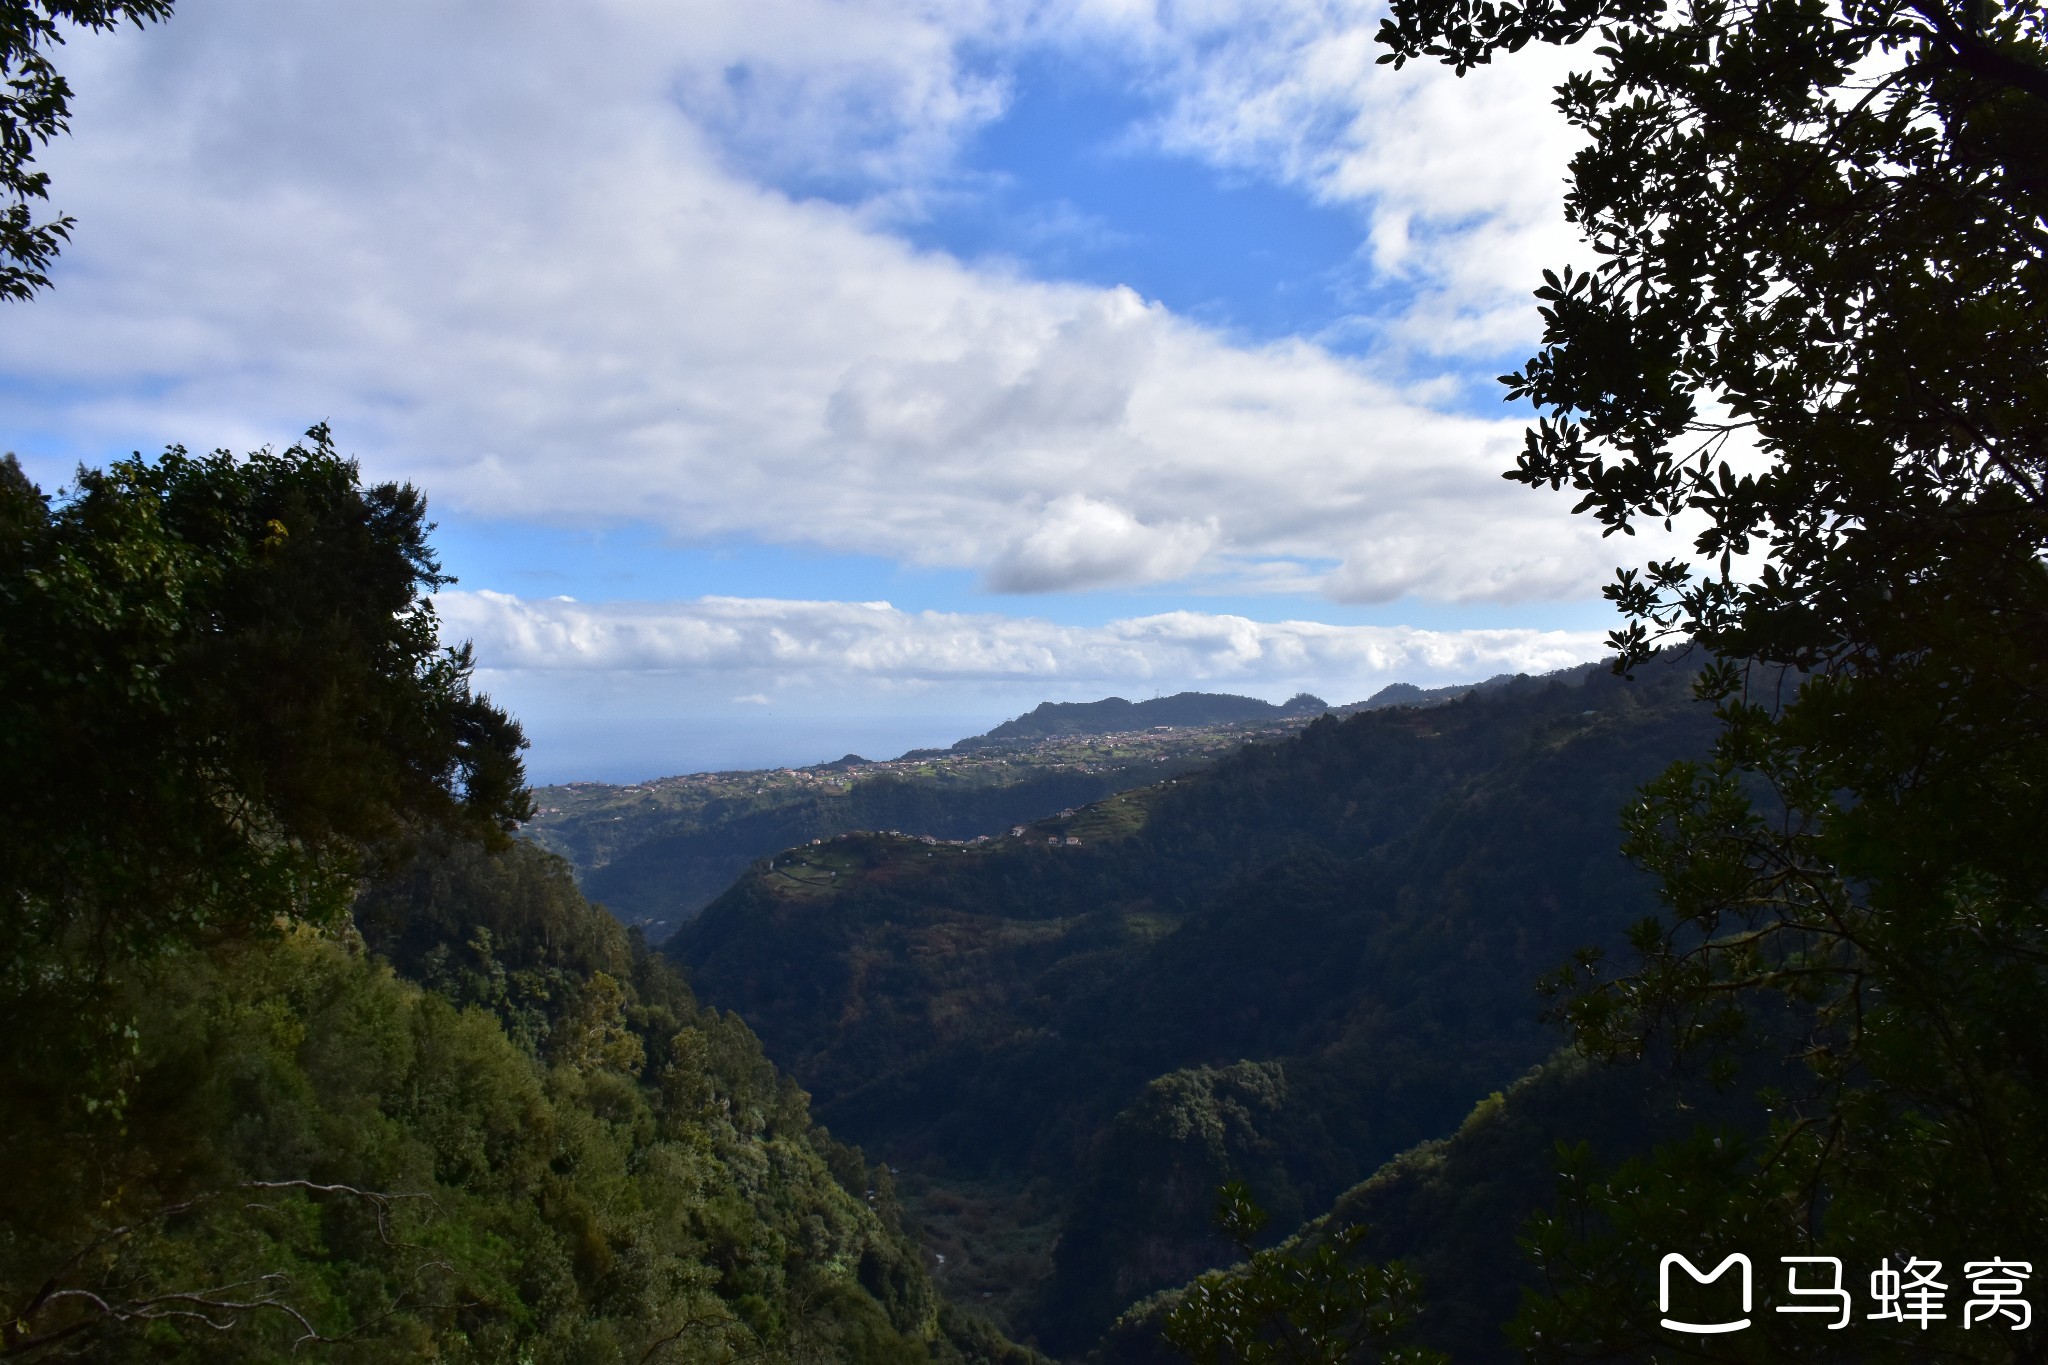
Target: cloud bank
550, 265
721, 640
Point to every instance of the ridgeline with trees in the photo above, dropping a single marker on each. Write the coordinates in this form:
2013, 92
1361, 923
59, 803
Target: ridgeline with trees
655, 853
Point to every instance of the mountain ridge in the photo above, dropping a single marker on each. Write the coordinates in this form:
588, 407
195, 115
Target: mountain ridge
655, 853
1113, 715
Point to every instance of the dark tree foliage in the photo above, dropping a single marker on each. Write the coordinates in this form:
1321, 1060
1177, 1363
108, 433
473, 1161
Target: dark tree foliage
221, 683
222, 698
1823, 232
1317, 1305
1451, 1209
1825, 242
35, 105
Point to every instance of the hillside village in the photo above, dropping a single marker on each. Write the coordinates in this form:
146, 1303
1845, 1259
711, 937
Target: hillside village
575, 803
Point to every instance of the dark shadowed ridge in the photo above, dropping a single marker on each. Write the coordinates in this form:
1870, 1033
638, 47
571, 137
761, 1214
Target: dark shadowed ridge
1408, 694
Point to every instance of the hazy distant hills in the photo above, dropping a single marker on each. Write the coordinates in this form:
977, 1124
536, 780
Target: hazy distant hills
661, 863
1290, 966
655, 853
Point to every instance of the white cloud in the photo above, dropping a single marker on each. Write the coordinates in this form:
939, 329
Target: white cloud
1460, 180
871, 94
848, 644
525, 257
1080, 542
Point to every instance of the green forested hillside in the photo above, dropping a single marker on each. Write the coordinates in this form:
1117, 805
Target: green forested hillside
1454, 1209
667, 867
655, 853
526, 1142
1290, 967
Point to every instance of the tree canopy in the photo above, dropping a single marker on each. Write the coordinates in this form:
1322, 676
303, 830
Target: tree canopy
221, 688
1820, 327
1823, 237
473, 1120
35, 106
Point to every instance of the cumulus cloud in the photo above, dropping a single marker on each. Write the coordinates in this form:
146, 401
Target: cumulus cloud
835, 643
536, 260
1459, 180
1080, 542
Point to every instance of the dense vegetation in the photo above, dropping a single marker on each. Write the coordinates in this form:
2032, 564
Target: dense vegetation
1819, 328
1452, 1211
548, 1153
250, 1112
1287, 968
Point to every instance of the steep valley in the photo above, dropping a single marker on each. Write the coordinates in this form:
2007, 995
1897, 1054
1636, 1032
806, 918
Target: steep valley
1289, 966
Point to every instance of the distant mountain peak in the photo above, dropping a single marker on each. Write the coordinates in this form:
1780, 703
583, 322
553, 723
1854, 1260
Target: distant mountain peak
1395, 694
1113, 715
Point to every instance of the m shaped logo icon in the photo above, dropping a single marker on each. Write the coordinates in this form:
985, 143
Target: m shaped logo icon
1664, 1292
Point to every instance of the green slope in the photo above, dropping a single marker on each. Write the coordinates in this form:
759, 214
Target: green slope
1454, 1208
493, 1127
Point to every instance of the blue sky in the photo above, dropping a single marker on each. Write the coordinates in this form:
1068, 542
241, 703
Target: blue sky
1117, 348
1060, 183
